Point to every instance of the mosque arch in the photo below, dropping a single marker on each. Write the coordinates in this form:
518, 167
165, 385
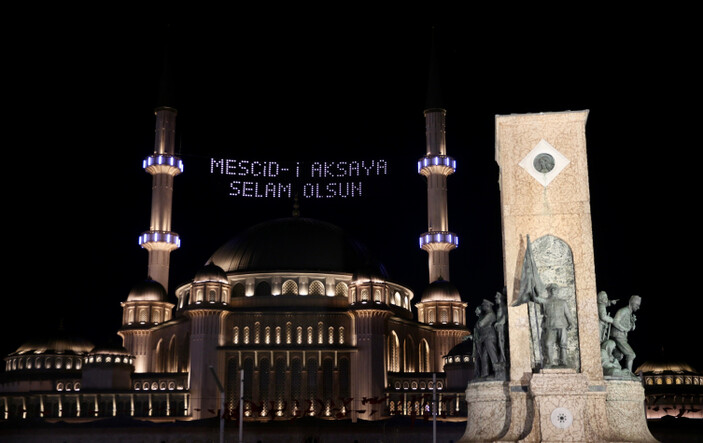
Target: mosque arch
316, 288
424, 356
341, 289
289, 287
172, 355
409, 357
262, 289
238, 290
393, 352
232, 384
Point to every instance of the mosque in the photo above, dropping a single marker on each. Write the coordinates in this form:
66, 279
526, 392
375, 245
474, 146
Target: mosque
290, 318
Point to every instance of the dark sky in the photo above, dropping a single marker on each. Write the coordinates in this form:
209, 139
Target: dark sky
81, 120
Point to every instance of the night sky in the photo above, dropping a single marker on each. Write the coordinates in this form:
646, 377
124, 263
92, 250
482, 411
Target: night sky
81, 121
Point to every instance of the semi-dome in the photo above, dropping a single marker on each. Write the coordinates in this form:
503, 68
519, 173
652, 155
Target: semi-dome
148, 290
440, 290
295, 244
210, 273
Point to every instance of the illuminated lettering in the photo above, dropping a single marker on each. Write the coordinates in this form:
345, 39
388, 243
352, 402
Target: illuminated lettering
252, 175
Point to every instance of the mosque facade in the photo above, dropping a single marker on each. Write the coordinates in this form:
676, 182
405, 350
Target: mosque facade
291, 318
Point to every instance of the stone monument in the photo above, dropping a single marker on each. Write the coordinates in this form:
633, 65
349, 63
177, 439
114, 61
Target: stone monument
554, 388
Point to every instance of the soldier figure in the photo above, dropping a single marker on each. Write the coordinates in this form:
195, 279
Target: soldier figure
556, 323
487, 338
624, 322
605, 319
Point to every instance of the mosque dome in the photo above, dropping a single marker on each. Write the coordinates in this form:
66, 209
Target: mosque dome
441, 290
56, 343
295, 244
665, 366
148, 290
210, 273
464, 347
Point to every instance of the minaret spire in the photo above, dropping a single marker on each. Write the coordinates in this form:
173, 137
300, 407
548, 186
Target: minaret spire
436, 166
163, 165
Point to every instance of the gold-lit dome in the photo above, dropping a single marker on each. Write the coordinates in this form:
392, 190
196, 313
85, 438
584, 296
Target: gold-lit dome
295, 244
210, 273
148, 290
665, 366
58, 343
440, 290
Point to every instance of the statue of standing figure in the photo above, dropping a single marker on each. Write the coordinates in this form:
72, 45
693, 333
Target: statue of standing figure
557, 322
485, 339
624, 322
501, 324
604, 317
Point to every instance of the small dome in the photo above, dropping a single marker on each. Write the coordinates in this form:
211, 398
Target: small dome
211, 273
440, 290
367, 274
148, 290
109, 350
57, 343
464, 347
661, 366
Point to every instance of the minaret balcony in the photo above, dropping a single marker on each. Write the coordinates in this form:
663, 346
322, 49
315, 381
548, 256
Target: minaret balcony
436, 164
160, 240
439, 241
163, 164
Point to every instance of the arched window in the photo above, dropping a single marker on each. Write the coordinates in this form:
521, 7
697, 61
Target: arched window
264, 383
257, 333
172, 356
248, 366
312, 367
310, 335
327, 383
238, 290
289, 331
316, 288
320, 333
344, 378
299, 335
393, 352
232, 385
330, 335
278, 335
424, 354
296, 380
341, 289
289, 287
262, 289
377, 295
409, 354
143, 315
235, 335
280, 387
396, 298
341, 335
267, 335
246, 335
364, 294
212, 296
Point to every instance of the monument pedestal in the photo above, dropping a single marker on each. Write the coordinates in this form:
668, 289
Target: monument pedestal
545, 197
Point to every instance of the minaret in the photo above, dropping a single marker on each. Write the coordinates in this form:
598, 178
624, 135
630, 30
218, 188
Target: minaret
440, 305
436, 166
163, 165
